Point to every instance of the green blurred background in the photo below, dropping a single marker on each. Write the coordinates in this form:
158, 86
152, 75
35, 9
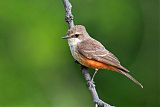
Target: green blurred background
37, 69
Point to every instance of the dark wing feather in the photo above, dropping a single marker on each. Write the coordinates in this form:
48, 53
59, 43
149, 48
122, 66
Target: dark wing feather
93, 49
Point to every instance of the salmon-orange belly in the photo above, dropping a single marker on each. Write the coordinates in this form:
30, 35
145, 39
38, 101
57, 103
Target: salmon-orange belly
96, 64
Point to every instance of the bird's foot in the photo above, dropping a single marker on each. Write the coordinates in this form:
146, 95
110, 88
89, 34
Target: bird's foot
76, 62
91, 84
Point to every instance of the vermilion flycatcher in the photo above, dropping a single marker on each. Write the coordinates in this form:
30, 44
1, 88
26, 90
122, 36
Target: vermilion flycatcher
92, 54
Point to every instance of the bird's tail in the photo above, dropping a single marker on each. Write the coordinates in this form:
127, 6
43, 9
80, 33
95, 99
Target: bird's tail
130, 77
125, 72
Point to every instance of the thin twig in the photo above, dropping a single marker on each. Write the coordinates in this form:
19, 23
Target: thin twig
68, 11
90, 83
92, 89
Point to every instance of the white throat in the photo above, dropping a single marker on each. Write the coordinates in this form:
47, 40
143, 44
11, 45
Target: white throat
73, 41
73, 45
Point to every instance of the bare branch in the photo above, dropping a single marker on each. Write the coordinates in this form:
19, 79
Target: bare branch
90, 83
91, 86
68, 11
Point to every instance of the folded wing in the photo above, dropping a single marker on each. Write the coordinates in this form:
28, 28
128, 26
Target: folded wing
93, 49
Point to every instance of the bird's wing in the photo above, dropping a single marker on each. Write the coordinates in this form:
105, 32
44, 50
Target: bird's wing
93, 49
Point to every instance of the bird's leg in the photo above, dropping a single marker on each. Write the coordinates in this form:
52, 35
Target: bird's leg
96, 105
76, 61
96, 70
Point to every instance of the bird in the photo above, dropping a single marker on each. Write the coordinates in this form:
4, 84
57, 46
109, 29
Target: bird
92, 54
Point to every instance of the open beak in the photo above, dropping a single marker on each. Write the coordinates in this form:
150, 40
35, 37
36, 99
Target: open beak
66, 37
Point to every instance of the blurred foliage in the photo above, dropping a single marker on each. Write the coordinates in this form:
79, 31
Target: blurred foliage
37, 69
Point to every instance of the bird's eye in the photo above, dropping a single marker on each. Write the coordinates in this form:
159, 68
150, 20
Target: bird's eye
76, 35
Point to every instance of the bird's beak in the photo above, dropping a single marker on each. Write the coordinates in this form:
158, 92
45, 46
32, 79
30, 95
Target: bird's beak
66, 37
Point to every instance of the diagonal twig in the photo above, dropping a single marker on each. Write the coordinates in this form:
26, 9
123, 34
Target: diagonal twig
68, 12
69, 19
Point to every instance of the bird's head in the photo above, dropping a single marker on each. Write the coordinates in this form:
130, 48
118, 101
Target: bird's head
77, 32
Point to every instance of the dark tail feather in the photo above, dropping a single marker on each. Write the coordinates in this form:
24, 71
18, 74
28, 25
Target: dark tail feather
131, 78
123, 68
